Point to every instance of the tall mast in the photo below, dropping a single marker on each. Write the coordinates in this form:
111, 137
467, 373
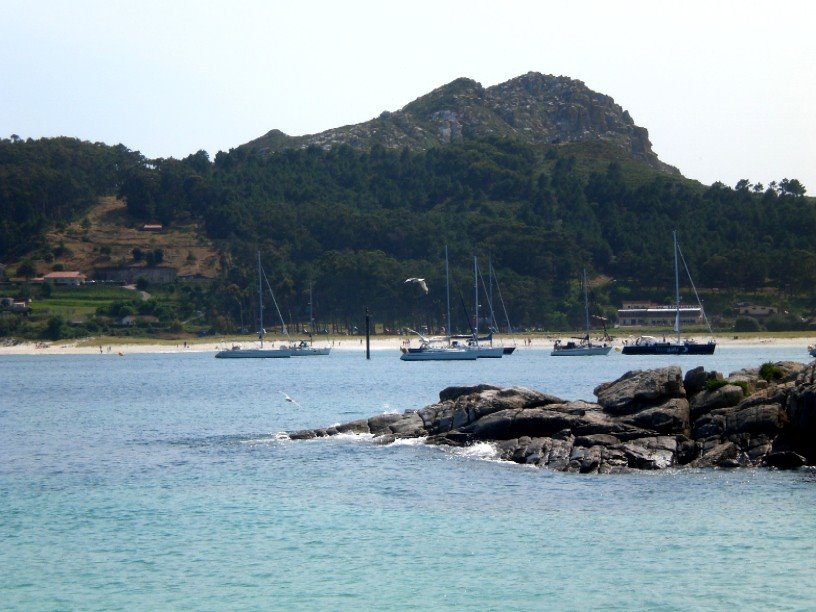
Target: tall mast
676, 288
586, 305
260, 301
311, 315
475, 301
490, 291
447, 291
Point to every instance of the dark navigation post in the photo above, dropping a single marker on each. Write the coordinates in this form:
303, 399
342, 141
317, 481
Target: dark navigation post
368, 334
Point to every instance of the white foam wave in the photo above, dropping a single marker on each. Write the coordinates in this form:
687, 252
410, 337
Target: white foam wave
480, 450
275, 437
354, 437
410, 441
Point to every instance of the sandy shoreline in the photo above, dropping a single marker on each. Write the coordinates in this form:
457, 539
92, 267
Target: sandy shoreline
117, 346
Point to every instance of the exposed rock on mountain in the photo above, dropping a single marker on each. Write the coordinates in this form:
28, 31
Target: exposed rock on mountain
535, 108
650, 419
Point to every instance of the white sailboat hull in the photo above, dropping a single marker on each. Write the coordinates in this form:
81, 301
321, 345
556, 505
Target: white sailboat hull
439, 354
309, 351
239, 353
488, 352
579, 351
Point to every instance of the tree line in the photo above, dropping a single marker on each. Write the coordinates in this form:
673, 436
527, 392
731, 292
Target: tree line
354, 224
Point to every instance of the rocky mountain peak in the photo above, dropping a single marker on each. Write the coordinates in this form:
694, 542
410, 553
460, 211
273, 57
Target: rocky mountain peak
534, 107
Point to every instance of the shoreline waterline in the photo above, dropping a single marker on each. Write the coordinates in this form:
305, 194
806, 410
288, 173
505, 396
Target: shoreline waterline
116, 346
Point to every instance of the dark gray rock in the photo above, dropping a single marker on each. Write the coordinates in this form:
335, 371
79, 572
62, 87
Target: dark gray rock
519, 397
785, 460
536, 449
559, 455
469, 407
586, 459
721, 454
495, 426
597, 440
706, 401
307, 434
355, 427
381, 424
642, 421
451, 393
762, 419
409, 426
788, 372
640, 389
687, 450
695, 380
671, 417
614, 461
800, 408
757, 447
654, 453
598, 422
508, 449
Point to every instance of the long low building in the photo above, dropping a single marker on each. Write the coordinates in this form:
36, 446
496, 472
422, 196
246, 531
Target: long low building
131, 274
642, 314
65, 278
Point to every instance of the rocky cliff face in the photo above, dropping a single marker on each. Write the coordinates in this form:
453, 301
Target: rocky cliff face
651, 419
535, 108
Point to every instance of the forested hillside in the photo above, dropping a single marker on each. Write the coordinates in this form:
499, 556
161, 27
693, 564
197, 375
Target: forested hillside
48, 181
356, 223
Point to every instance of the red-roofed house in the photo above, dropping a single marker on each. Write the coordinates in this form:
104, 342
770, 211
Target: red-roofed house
65, 278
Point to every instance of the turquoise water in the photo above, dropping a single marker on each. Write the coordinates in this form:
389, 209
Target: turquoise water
159, 482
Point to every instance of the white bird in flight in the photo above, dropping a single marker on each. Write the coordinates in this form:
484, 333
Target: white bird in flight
289, 399
420, 281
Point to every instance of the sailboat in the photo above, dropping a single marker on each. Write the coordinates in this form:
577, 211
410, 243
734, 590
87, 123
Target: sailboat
307, 349
444, 348
486, 349
508, 350
236, 352
649, 345
584, 346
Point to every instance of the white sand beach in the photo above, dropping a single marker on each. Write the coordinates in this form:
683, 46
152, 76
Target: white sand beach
118, 346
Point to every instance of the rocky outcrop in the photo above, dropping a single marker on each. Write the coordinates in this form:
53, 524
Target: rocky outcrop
534, 108
647, 420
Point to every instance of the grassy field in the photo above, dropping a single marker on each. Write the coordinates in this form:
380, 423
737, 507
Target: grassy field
80, 301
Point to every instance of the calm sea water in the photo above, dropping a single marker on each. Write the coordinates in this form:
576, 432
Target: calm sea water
158, 482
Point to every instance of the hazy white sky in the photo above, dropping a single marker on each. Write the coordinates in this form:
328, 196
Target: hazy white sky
727, 89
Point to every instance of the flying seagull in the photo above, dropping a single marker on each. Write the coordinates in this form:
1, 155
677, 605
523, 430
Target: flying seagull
420, 281
289, 399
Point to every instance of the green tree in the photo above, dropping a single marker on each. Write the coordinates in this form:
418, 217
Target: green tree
54, 328
26, 269
743, 185
792, 187
746, 324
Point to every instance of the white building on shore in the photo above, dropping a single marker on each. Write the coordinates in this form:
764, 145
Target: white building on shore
649, 314
65, 278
